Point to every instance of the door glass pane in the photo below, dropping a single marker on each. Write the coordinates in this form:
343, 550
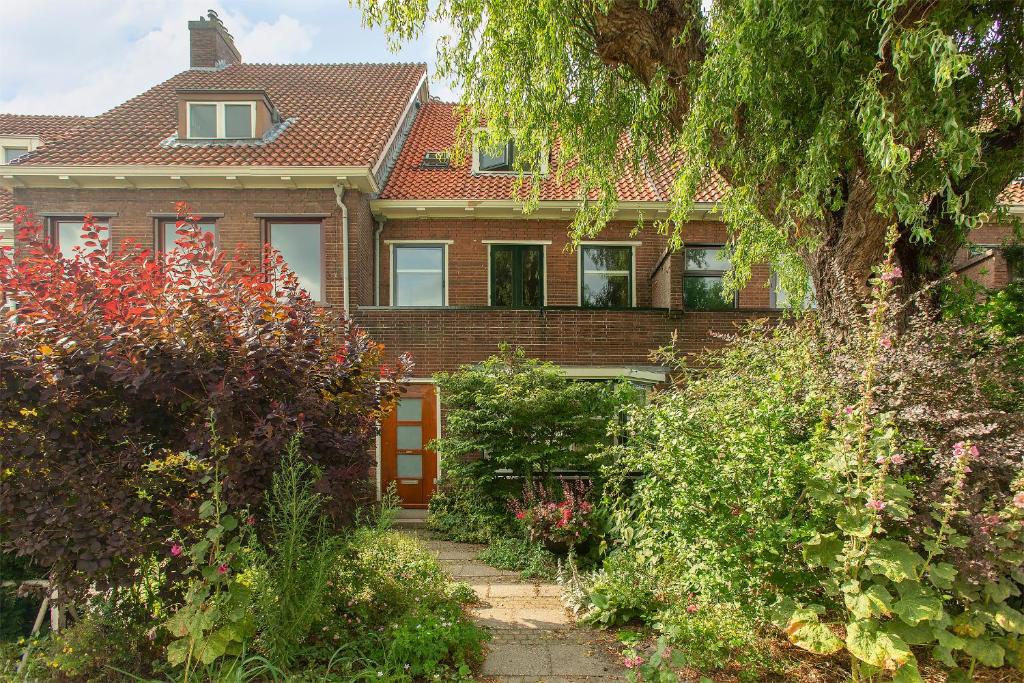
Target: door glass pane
605, 291
704, 293
69, 236
237, 121
299, 244
410, 409
501, 277
202, 120
410, 465
410, 438
533, 276
171, 235
709, 258
419, 276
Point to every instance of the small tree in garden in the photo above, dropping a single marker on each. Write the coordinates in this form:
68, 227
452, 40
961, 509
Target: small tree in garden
515, 413
114, 360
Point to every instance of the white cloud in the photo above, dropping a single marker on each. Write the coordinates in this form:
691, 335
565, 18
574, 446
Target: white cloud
69, 57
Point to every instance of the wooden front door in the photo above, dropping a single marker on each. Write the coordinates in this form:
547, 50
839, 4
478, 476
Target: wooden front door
403, 439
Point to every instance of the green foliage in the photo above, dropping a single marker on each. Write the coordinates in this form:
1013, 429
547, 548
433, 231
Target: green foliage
470, 512
295, 564
716, 636
894, 591
722, 463
530, 559
622, 591
521, 414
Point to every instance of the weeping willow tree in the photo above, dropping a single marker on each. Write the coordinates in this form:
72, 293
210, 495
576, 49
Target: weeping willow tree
828, 121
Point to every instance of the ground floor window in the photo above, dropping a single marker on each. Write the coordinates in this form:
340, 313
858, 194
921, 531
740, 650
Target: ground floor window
704, 279
606, 276
300, 243
419, 275
517, 275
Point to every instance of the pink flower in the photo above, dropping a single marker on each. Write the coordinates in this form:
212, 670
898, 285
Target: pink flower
886, 343
880, 460
250, 520
176, 550
632, 662
223, 569
893, 274
520, 515
848, 410
1018, 499
974, 451
958, 449
897, 459
875, 504
692, 609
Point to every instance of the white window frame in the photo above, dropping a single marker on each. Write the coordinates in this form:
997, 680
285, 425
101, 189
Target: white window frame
53, 230
809, 303
579, 268
445, 285
220, 119
544, 247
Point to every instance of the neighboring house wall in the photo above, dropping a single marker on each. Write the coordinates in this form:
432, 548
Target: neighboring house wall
237, 215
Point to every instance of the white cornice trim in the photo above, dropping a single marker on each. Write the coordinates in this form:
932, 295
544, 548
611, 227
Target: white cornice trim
509, 208
230, 177
398, 125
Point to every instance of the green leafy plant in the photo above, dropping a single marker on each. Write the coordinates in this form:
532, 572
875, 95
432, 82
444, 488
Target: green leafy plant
296, 561
530, 559
896, 593
215, 617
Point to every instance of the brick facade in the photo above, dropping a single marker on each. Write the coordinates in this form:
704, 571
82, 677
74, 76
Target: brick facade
238, 227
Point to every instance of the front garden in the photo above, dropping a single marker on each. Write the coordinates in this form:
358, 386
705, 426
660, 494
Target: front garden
186, 478
795, 507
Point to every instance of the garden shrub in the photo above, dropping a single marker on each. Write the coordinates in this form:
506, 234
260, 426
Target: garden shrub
513, 553
111, 364
722, 463
520, 415
873, 484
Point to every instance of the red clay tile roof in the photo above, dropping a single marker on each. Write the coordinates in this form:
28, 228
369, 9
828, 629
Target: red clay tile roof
343, 115
1013, 194
434, 131
6, 206
47, 128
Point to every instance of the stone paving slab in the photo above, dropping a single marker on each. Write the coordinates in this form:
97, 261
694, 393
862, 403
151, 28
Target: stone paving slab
533, 638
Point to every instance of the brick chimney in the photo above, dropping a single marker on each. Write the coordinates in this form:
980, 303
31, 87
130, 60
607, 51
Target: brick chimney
210, 44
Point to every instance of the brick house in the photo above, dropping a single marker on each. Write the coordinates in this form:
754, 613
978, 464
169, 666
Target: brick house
19, 135
340, 168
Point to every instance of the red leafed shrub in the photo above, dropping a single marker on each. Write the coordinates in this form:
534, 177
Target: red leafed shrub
111, 366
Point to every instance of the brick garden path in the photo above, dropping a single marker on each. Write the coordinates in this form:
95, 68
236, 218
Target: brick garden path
533, 639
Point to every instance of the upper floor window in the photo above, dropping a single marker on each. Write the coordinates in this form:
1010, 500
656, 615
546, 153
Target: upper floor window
221, 120
517, 275
704, 279
504, 160
299, 243
167, 232
12, 153
67, 234
419, 275
606, 276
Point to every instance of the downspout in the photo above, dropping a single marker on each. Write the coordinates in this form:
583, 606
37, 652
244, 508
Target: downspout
339, 194
376, 261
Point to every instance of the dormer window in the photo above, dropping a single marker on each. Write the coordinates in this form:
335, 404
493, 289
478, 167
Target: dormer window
221, 120
215, 115
503, 161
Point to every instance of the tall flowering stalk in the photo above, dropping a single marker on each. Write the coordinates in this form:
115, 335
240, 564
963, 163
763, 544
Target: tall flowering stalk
889, 596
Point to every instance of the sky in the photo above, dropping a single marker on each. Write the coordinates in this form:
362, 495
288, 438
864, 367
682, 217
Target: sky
95, 54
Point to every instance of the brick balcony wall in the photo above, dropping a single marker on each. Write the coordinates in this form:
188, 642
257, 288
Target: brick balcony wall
441, 339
